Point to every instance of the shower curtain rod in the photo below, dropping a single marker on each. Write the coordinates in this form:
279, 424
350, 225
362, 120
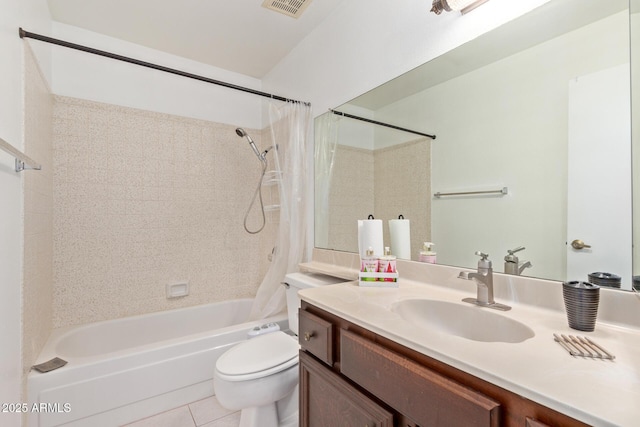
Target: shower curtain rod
27, 34
375, 122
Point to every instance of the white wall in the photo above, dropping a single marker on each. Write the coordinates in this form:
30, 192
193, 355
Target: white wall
367, 42
82, 75
33, 15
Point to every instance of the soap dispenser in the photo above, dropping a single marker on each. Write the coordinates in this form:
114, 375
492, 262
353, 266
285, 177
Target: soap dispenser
369, 263
387, 262
427, 254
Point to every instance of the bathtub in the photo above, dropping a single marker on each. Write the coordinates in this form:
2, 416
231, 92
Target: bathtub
122, 370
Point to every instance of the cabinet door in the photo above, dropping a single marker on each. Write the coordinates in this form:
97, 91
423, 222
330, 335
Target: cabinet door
326, 400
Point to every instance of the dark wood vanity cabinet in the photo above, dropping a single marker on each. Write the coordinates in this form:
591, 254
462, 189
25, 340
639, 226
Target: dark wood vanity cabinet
350, 376
329, 401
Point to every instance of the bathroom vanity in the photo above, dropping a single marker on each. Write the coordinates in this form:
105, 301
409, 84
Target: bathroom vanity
352, 376
364, 362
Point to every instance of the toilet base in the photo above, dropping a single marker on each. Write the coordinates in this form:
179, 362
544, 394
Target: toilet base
292, 421
259, 416
283, 413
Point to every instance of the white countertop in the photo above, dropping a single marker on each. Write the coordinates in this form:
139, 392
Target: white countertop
597, 392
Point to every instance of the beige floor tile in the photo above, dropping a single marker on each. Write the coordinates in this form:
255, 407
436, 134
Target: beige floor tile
232, 420
179, 417
207, 410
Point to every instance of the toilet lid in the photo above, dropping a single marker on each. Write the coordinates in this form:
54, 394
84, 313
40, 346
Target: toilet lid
266, 354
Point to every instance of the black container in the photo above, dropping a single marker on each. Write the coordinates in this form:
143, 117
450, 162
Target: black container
609, 280
581, 301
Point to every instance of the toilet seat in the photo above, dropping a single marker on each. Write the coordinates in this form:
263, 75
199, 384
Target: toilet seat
258, 357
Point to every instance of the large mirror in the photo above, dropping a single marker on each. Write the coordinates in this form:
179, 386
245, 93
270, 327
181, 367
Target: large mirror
533, 119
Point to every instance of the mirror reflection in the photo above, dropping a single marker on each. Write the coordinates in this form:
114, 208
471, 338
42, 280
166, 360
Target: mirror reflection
539, 107
634, 21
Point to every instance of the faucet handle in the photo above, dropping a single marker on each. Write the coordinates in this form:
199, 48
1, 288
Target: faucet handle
511, 257
518, 249
484, 261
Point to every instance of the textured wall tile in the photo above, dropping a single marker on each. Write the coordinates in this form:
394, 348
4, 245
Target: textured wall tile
403, 186
387, 182
160, 199
38, 212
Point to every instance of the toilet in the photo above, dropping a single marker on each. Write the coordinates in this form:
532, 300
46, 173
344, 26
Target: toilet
259, 376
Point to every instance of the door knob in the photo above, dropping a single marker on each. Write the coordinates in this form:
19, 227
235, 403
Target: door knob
579, 244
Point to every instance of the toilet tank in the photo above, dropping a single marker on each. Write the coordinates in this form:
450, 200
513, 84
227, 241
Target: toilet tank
298, 281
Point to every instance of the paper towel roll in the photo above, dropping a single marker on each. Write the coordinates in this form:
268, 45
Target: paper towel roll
370, 236
400, 233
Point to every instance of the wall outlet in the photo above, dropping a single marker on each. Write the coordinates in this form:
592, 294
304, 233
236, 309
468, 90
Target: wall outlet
177, 290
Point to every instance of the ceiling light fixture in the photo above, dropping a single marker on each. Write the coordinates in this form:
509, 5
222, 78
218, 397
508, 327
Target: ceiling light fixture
463, 6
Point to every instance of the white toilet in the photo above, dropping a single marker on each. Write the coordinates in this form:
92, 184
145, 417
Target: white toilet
259, 377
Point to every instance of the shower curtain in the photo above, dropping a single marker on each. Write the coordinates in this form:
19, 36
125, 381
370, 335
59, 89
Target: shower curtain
326, 142
290, 128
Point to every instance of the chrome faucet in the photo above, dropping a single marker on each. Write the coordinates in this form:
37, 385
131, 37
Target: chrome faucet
484, 281
511, 263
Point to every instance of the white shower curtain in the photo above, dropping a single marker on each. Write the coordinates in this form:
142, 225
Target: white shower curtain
326, 142
290, 133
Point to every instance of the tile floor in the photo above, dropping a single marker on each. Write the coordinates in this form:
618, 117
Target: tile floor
203, 413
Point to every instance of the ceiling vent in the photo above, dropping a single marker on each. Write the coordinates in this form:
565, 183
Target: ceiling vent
292, 8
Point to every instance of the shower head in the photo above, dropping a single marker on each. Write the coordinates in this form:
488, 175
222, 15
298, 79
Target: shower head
243, 134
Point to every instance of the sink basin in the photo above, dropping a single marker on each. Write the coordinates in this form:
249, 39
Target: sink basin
466, 321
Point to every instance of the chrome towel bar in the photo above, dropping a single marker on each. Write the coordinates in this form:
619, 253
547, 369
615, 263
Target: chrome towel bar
23, 162
503, 191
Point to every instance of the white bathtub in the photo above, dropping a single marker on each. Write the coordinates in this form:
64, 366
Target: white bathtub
122, 370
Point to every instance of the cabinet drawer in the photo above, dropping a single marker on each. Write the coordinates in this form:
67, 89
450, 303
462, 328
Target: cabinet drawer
326, 400
316, 336
423, 395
